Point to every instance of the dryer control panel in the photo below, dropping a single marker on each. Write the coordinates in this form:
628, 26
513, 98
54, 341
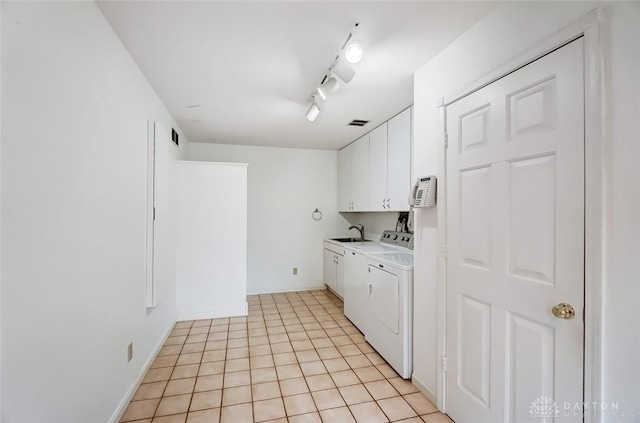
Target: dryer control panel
400, 239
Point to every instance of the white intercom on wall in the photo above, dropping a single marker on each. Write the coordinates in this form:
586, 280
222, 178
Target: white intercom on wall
423, 193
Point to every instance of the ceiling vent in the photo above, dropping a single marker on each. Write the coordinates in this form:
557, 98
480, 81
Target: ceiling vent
357, 122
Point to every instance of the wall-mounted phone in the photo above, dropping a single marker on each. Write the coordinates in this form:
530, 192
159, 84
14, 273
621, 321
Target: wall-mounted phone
423, 193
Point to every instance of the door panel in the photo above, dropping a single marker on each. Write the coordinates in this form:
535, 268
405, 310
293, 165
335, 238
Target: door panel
360, 174
340, 276
383, 298
532, 219
356, 289
474, 348
529, 364
399, 161
330, 269
476, 217
515, 231
344, 178
378, 168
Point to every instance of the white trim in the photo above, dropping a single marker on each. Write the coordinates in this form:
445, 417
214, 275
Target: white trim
203, 315
333, 292
122, 407
422, 388
594, 204
441, 264
150, 299
280, 291
213, 163
589, 26
555, 41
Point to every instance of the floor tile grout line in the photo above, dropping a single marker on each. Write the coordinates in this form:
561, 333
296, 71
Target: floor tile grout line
310, 308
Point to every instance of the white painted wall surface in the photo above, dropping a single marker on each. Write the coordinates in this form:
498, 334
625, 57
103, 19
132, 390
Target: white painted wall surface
0, 218
285, 186
74, 110
374, 223
212, 240
621, 343
505, 33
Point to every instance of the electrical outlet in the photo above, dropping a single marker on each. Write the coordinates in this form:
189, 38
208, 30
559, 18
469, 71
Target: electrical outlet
129, 352
295, 271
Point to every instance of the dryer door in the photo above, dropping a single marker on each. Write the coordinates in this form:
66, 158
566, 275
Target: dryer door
383, 297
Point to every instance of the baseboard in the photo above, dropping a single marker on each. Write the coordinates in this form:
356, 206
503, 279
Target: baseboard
282, 291
229, 312
122, 407
427, 392
334, 292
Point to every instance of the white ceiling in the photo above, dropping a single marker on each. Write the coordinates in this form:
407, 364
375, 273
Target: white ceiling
252, 66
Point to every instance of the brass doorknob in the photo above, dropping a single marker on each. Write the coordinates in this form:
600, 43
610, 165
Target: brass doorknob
564, 311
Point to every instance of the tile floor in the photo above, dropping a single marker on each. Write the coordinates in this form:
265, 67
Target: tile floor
295, 358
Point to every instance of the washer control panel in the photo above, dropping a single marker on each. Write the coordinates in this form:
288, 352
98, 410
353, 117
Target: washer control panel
400, 239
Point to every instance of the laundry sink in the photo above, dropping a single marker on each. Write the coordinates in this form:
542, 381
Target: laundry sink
349, 240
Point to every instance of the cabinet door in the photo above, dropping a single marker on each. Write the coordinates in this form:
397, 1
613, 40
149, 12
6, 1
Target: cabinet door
399, 161
360, 174
340, 275
378, 168
356, 289
383, 298
330, 269
344, 178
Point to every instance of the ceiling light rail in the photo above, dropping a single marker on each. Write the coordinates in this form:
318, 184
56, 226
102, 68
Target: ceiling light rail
351, 52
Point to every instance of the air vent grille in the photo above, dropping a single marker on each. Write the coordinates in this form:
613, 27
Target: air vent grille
357, 122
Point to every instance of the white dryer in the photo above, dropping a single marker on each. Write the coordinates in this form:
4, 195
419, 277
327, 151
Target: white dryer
390, 308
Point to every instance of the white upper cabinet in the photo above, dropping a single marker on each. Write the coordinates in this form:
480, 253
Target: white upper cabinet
374, 172
399, 162
378, 168
344, 178
353, 176
360, 174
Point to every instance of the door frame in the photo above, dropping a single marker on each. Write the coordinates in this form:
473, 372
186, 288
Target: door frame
589, 26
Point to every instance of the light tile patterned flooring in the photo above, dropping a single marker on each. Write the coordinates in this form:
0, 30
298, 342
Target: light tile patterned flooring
295, 358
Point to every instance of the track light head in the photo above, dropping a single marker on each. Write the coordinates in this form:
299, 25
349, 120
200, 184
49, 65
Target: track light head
343, 71
354, 51
330, 86
313, 111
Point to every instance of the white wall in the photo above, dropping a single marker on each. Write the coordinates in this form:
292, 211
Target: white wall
508, 31
374, 223
0, 218
621, 342
211, 274
75, 108
285, 186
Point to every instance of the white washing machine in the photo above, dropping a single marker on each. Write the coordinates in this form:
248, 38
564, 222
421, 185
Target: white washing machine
390, 307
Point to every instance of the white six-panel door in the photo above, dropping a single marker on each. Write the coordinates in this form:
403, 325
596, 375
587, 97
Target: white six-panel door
515, 234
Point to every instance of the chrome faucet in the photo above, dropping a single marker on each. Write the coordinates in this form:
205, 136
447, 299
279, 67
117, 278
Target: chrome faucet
360, 228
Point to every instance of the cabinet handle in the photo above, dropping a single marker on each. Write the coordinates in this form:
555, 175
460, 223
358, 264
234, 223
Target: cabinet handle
370, 290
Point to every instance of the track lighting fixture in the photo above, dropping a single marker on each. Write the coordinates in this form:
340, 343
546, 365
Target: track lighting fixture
342, 69
353, 52
353, 48
350, 52
313, 111
330, 86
